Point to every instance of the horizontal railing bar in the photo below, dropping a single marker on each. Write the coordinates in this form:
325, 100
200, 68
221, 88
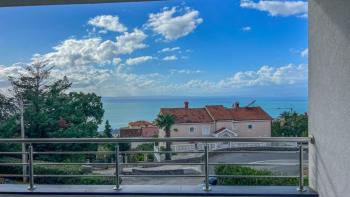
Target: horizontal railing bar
72, 175
137, 163
13, 175
13, 164
13, 153
107, 175
263, 151
108, 152
73, 152
159, 163
151, 175
257, 164
173, 139
160, 152
248, 176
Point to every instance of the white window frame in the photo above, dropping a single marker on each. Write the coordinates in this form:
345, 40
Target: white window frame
194, 129
207, 128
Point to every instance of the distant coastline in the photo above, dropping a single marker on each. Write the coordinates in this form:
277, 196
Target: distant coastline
121, 110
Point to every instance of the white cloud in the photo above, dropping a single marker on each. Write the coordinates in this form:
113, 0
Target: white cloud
117, 60
169, 49
173, 25
94, 51
138, 60
267, 75
170, 58
184, 71
305, 53
278, 7
107, 22
246, 29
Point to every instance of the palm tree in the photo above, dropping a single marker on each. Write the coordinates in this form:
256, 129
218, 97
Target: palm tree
165, 121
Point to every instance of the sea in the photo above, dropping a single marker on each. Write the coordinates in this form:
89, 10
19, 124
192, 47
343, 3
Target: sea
121, 110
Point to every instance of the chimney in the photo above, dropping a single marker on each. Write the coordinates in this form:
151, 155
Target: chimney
186, 104
236, 105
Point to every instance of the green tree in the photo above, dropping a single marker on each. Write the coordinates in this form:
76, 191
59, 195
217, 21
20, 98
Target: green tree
290, 124
166, 121
108, 130
52, 111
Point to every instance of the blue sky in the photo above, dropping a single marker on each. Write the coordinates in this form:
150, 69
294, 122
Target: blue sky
196, 48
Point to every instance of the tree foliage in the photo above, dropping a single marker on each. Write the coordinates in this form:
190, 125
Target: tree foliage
290, 124
51, 110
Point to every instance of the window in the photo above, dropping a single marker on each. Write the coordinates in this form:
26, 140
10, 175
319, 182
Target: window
205, 130
250, 126
192, 129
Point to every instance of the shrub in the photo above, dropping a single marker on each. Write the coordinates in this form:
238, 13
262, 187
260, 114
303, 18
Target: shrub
240, 170
55, 170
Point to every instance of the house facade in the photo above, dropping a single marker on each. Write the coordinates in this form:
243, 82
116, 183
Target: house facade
139, 129
219, 121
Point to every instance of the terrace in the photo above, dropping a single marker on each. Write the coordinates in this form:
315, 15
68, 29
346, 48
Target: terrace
202, 184
329, 71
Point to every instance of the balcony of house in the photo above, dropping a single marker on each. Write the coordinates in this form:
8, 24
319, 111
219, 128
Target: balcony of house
243, 167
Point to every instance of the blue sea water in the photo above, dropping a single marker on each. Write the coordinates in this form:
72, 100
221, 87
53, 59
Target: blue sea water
120, 111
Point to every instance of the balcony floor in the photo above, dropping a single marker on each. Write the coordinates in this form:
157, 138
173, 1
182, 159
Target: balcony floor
154, 190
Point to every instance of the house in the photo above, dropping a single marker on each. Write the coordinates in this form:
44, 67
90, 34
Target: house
219, 121
139, 129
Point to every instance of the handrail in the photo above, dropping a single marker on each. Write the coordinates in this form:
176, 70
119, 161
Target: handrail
171, 139
298, 148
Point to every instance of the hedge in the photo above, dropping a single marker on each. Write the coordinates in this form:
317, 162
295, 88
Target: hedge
55, 170
240, 170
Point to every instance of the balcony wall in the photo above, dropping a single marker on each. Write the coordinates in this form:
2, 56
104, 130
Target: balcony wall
329, 94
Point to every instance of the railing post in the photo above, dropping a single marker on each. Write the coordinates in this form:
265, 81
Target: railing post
206, 168
117, 176
301, 169
31, 167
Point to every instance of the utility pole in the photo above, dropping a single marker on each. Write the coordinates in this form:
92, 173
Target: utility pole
24, 155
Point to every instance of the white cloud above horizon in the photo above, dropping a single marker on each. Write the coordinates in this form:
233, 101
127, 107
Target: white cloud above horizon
173, 23
246, 29
278, 7
170, 58
305, 53
103, 65
139, 60
168, 49
184, 71
108, 23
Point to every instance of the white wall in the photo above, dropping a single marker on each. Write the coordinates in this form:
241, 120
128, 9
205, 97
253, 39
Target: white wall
329, 96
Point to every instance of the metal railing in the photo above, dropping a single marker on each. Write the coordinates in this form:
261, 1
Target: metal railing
302, 143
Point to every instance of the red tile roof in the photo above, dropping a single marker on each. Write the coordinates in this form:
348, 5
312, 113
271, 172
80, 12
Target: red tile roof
140, 123
216, 112
189, 115
219, 112
249, 113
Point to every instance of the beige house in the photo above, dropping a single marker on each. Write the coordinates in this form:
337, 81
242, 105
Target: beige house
219, 121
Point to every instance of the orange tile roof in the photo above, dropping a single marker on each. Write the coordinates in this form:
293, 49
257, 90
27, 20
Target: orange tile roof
216, 113
189, 115
249, 113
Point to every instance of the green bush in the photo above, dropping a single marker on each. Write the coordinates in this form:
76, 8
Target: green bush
246, 171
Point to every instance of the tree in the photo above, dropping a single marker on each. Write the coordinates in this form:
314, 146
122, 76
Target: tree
290, 124
52, 111
165, 122
108, 130
7, 107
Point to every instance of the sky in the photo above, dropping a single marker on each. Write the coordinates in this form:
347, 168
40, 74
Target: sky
163, 48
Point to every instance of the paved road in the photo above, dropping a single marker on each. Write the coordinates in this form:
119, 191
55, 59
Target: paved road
228, 158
